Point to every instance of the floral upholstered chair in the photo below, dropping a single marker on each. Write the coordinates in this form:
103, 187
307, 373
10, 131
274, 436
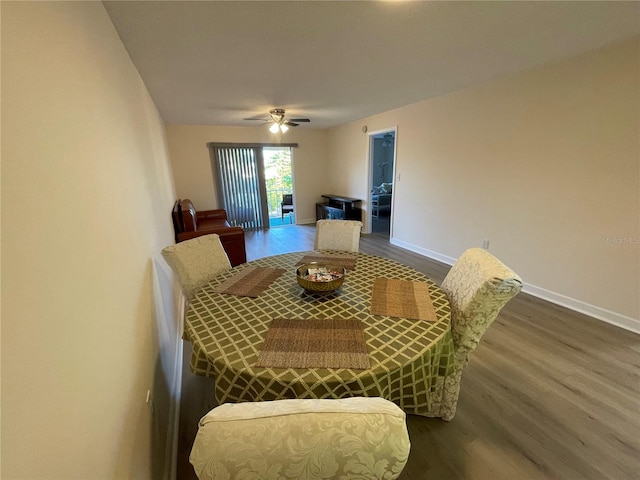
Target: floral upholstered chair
196, 262
341, 235
350, 438
478, 286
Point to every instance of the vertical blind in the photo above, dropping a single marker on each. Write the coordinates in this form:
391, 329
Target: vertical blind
241, 186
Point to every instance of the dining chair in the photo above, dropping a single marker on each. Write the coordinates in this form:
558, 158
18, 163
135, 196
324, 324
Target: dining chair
478, 286
286, 206
342, 235
353, 437
196, 262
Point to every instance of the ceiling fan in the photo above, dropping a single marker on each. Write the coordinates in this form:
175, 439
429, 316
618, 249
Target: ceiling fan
279, 122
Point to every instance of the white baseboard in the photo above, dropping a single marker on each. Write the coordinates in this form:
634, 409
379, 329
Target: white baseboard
423, 251
614, 318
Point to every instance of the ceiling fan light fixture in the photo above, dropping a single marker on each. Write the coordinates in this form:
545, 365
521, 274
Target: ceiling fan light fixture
279, 122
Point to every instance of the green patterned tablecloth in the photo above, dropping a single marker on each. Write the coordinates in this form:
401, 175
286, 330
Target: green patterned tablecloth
409, 358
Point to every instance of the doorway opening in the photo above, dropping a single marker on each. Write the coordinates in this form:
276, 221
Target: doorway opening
278, 175
381, 174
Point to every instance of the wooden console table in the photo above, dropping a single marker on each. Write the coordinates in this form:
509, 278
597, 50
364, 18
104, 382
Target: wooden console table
338, 207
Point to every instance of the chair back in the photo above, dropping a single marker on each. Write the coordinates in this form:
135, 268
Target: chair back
478, 286
286, 206
341, 235
302, 438
176, 217
196, 262
188, 215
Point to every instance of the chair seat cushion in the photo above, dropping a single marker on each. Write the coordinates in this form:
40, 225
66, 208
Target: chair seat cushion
212, 224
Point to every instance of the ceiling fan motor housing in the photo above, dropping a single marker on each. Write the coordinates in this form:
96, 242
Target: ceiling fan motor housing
277, 114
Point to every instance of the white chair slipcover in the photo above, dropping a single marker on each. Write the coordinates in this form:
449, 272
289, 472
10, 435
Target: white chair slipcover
350, 438
341, 235
196, 262
478, 286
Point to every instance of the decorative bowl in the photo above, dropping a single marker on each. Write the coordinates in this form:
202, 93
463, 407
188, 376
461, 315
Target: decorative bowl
320, 277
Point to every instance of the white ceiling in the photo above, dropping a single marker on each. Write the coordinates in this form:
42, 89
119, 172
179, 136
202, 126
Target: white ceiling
215, 63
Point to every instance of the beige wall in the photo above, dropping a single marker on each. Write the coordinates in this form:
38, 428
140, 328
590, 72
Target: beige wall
192, 164
86, 187
544, 164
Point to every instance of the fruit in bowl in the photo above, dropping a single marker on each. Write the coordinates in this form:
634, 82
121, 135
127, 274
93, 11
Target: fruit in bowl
320, 277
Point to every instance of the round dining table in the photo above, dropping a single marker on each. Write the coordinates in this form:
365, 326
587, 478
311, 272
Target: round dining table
409, 359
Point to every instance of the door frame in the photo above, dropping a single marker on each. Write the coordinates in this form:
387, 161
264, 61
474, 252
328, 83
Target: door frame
370, 147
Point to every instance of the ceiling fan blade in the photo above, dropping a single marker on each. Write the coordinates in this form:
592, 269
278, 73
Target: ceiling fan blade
277, 116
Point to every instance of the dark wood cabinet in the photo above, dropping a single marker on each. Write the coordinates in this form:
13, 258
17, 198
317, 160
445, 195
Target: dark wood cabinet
337, 207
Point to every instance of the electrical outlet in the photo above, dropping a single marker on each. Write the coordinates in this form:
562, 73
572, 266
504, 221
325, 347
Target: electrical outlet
485, 244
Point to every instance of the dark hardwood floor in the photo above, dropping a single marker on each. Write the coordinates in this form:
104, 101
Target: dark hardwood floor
548, 394
380, 225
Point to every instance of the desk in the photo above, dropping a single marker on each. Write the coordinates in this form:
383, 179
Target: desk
410, 359
338, 207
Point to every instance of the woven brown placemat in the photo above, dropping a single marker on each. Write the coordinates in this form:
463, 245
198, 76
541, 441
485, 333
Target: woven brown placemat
314, 343
402, 298
250, 282
346, 261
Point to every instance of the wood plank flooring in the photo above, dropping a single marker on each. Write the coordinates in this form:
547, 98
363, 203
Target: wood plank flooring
548, 394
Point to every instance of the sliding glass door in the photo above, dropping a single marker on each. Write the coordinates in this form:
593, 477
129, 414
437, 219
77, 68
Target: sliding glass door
239, 176
278, 174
